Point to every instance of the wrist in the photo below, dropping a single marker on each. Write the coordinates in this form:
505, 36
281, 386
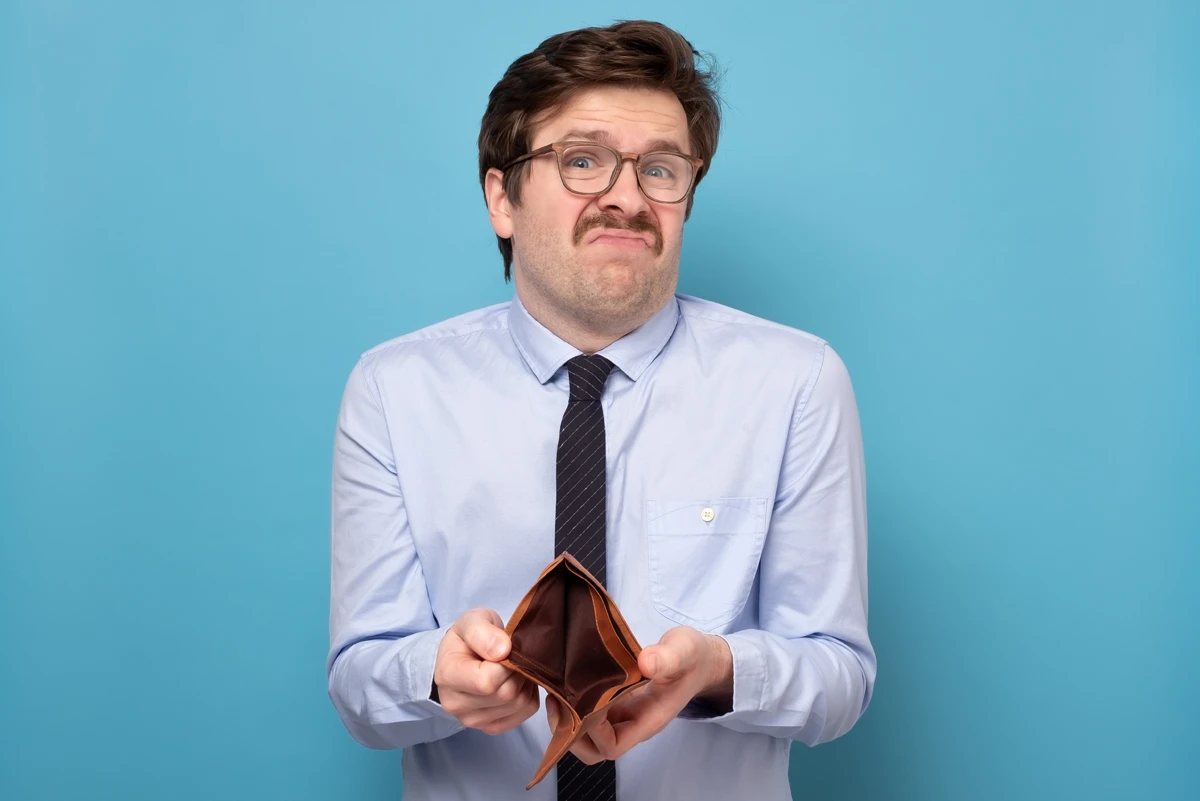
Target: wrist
718, 687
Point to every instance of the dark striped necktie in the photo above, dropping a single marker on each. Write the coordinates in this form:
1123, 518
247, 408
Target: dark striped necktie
579, 528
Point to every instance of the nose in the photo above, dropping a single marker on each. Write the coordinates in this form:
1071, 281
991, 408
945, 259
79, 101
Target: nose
624, 196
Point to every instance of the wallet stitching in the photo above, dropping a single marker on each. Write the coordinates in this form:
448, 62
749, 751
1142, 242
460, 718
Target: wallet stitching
536, 667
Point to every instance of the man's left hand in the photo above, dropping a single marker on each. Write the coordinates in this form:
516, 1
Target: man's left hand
685, 664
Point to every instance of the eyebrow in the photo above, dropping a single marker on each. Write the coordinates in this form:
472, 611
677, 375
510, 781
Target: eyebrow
604, 138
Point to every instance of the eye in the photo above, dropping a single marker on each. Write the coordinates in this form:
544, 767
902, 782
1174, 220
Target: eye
585, 159
659, 171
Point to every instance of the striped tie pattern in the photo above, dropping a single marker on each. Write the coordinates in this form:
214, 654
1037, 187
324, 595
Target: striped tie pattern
579, 528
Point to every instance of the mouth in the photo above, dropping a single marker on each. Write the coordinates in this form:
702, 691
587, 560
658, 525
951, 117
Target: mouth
622, 239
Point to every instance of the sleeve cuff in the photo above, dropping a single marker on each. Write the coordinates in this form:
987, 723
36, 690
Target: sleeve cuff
749, 682
418, 674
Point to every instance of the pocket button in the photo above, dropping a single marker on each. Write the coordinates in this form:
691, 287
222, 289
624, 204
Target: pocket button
707, 514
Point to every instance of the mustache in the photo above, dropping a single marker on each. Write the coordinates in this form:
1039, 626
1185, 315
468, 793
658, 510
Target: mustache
642, 223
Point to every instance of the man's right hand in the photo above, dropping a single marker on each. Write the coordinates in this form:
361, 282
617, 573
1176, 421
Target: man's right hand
470, 685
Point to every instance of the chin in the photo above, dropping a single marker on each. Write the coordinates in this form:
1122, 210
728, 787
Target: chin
619, 281
624, 298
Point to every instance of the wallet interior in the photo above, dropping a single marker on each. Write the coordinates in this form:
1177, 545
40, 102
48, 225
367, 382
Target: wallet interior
568, 639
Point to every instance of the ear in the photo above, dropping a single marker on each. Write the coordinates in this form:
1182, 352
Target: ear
499, 206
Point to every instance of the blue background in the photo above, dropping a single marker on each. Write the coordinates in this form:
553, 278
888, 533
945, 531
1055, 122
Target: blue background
207, 213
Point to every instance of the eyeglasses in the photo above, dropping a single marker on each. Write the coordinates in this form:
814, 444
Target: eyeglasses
588, 168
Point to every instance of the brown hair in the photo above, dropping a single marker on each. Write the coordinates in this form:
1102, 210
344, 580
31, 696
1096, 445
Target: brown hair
629, 53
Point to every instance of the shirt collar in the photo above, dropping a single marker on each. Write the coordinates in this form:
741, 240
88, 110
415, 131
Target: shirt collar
545, 353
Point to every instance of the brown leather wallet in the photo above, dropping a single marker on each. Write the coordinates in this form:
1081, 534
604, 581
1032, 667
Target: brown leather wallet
569, 637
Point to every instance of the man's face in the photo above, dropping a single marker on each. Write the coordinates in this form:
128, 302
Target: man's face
605, 263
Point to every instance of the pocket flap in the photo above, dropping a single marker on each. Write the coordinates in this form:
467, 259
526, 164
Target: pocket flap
715, 516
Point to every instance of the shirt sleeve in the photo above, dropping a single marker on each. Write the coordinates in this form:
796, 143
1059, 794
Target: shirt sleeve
808, 672
383, 634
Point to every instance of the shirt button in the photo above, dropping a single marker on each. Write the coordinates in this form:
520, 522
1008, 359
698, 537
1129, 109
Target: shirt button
708, 514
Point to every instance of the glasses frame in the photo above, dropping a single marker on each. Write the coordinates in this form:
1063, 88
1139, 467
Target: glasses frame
558, 147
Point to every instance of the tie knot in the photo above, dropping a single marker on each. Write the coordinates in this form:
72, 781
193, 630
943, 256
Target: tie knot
588, 375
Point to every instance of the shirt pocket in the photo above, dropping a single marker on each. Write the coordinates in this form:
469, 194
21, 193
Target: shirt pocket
703, 557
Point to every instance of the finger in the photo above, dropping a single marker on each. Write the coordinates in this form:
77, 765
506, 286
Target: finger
627, 734
481, 631
583, 748
475, 711
631, 704
603, 739
471, 676
508, 723
509, 717
514, 690
587, 752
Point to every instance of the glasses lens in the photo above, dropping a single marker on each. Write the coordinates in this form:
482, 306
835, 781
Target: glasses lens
587, 168
665, 177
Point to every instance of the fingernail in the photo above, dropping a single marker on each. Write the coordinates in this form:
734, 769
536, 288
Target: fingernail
494, 645
652, 664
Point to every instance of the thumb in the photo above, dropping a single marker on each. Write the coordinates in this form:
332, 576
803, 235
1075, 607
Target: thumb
659, 662
481, 632
671, 657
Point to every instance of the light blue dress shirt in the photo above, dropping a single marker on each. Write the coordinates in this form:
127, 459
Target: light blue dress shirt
443, 501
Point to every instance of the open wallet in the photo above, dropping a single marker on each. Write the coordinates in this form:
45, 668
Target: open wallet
569, 637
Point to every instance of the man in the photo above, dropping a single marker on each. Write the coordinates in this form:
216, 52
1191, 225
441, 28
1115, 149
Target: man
706, 465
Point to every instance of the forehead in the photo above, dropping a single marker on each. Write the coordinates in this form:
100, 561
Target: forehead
630, 117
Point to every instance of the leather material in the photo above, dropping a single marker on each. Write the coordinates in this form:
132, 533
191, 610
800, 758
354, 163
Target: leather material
569, 637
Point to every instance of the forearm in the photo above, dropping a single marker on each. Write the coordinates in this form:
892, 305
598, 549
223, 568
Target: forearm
381, 690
